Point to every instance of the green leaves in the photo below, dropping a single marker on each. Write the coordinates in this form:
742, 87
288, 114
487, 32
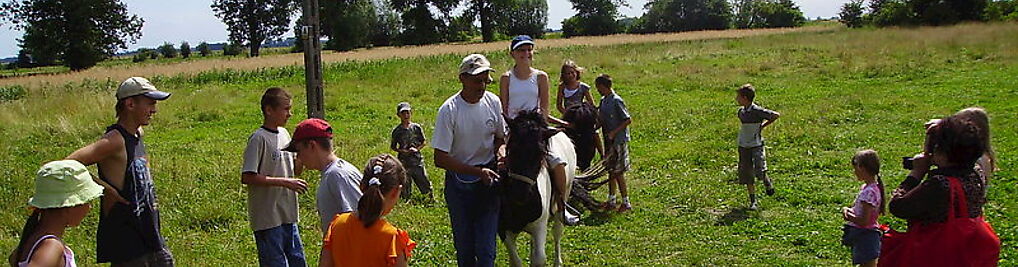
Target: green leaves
78, 32
251, 22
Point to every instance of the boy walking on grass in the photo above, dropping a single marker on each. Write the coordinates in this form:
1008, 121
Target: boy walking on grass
614, 120
407, 140
752, 159
272, 189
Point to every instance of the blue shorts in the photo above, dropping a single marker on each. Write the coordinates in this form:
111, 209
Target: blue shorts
865, 243
280, 246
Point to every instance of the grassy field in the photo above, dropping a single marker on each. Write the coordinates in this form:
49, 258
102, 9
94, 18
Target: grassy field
838, 90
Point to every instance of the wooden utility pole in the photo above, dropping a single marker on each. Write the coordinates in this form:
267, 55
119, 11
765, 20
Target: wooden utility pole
313, 61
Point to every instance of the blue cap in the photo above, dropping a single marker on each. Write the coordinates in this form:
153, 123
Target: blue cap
521, 40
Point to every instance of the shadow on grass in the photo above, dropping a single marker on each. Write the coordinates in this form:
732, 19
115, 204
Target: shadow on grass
596, 217
736, 215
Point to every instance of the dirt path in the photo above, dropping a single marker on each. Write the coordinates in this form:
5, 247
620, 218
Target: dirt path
196, 66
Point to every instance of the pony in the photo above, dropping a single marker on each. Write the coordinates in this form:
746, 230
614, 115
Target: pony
582, 130
526, 187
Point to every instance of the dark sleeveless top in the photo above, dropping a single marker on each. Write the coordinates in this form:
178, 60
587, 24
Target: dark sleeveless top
128, 231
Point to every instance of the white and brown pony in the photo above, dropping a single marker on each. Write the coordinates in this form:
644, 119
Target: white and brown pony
526, 187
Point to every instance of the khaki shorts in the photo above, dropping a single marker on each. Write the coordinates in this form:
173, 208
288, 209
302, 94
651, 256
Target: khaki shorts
618, 158
752, 163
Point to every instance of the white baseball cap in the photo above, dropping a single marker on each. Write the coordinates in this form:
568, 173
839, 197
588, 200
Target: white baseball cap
475, 64
140, 86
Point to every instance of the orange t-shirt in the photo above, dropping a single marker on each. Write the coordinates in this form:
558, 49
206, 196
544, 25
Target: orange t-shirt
352, 244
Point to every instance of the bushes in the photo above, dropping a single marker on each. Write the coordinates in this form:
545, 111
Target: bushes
167, 50
203, 49
185, 50
144, 54
767, 14
892, 13
12, 92
1005, 10
685, 15
232, 49
883, 13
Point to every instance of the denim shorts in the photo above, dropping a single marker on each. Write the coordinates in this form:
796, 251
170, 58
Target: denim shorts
865, 243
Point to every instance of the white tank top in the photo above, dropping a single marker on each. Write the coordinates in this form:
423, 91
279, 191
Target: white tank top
523, 93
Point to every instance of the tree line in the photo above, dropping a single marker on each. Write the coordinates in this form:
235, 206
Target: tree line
79, 34
884, 13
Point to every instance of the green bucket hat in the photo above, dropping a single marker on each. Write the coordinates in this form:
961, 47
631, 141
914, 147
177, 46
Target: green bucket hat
63, 183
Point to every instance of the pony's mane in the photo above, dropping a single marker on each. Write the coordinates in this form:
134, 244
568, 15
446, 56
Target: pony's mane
528, 143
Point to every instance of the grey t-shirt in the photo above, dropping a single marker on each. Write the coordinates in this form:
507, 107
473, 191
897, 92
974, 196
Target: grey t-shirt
752, 117
338, 192
269, 206
612, 113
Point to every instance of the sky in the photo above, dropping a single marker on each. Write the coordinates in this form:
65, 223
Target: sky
193, 20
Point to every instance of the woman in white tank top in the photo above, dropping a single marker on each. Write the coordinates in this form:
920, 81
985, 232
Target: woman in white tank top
524, 87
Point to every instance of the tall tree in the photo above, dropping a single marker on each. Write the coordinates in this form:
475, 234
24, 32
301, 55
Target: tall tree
594, 17
743, 13
517, 17
78, 32
185, 50
851, 14
347, 23
767, 14
686, 15
484, 11
251, 22
420, 26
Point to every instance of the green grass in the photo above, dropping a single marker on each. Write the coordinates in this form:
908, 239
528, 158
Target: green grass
838, 92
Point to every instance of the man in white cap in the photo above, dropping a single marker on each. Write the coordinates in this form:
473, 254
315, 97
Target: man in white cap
469, 130
128, 232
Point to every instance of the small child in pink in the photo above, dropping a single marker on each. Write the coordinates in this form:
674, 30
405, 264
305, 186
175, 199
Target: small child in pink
861, 230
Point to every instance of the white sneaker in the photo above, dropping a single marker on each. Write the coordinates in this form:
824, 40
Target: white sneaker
571, 220
753, 206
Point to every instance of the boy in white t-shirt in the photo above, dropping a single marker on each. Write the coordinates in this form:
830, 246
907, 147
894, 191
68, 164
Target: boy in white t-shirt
272, 189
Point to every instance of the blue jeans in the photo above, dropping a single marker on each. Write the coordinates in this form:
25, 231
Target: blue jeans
473, 210
280, 246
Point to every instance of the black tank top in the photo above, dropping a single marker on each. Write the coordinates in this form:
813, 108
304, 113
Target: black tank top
128, 231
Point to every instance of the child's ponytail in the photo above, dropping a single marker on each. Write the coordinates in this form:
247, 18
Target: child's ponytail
382, 174
26, 232
883, 196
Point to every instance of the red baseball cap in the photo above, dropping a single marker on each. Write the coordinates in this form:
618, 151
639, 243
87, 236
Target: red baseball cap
307, 129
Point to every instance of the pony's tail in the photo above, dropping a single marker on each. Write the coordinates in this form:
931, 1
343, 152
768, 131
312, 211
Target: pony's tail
26, 231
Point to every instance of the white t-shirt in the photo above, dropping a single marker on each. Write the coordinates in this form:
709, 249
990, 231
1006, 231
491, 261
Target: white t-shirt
523, 93
338, 192
269, 206
468, 131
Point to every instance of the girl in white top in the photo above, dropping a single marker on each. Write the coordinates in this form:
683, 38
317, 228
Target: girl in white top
524, 87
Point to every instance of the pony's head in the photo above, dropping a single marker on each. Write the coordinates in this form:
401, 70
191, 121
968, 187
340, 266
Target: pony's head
582, 117
528, 143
